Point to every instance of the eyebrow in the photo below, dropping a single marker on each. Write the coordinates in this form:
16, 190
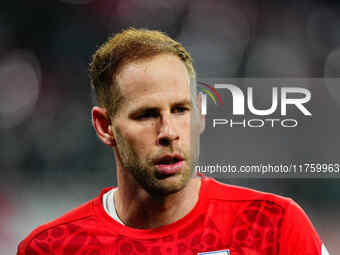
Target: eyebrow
145, 108
183, 102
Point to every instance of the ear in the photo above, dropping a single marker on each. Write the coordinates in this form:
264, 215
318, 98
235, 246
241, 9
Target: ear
102, 124
202, 116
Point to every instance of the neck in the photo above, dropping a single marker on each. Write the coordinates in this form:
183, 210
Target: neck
138, 209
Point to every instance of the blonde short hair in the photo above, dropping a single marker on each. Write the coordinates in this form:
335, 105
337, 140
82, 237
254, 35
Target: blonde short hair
129, 45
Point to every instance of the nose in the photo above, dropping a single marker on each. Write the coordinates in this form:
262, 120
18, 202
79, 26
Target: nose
167, 131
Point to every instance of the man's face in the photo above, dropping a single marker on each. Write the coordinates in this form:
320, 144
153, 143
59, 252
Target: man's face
156, 127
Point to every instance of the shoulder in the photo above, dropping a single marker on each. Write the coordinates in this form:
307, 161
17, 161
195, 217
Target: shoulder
264, 217
248, 206
59, 230
231, 193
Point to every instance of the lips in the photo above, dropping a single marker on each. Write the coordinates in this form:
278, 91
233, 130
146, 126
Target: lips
169, 164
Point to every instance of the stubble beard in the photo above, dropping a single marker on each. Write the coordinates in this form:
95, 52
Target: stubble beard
146, 175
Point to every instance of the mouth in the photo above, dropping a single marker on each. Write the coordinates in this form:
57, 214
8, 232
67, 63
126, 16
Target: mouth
169, 164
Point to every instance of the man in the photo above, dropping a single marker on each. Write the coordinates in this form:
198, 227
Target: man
148, 113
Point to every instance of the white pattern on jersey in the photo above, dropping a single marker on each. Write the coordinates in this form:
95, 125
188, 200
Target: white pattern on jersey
109, 205
324, 250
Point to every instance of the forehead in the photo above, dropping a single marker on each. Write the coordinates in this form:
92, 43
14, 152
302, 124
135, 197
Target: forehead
159, 76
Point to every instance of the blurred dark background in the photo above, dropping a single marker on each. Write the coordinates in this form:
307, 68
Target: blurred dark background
51, 160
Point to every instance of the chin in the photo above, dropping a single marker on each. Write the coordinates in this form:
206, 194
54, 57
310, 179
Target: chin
167, 186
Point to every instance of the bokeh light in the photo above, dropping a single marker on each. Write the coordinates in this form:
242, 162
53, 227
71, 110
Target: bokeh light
20, 78
332, 75
272, 58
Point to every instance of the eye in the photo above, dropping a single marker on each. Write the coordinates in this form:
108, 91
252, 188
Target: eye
180, 109
148, 114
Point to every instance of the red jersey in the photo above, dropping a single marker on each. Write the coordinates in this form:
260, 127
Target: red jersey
226, 220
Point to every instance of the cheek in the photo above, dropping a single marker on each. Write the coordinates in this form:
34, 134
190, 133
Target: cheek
138, 137
185, 129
